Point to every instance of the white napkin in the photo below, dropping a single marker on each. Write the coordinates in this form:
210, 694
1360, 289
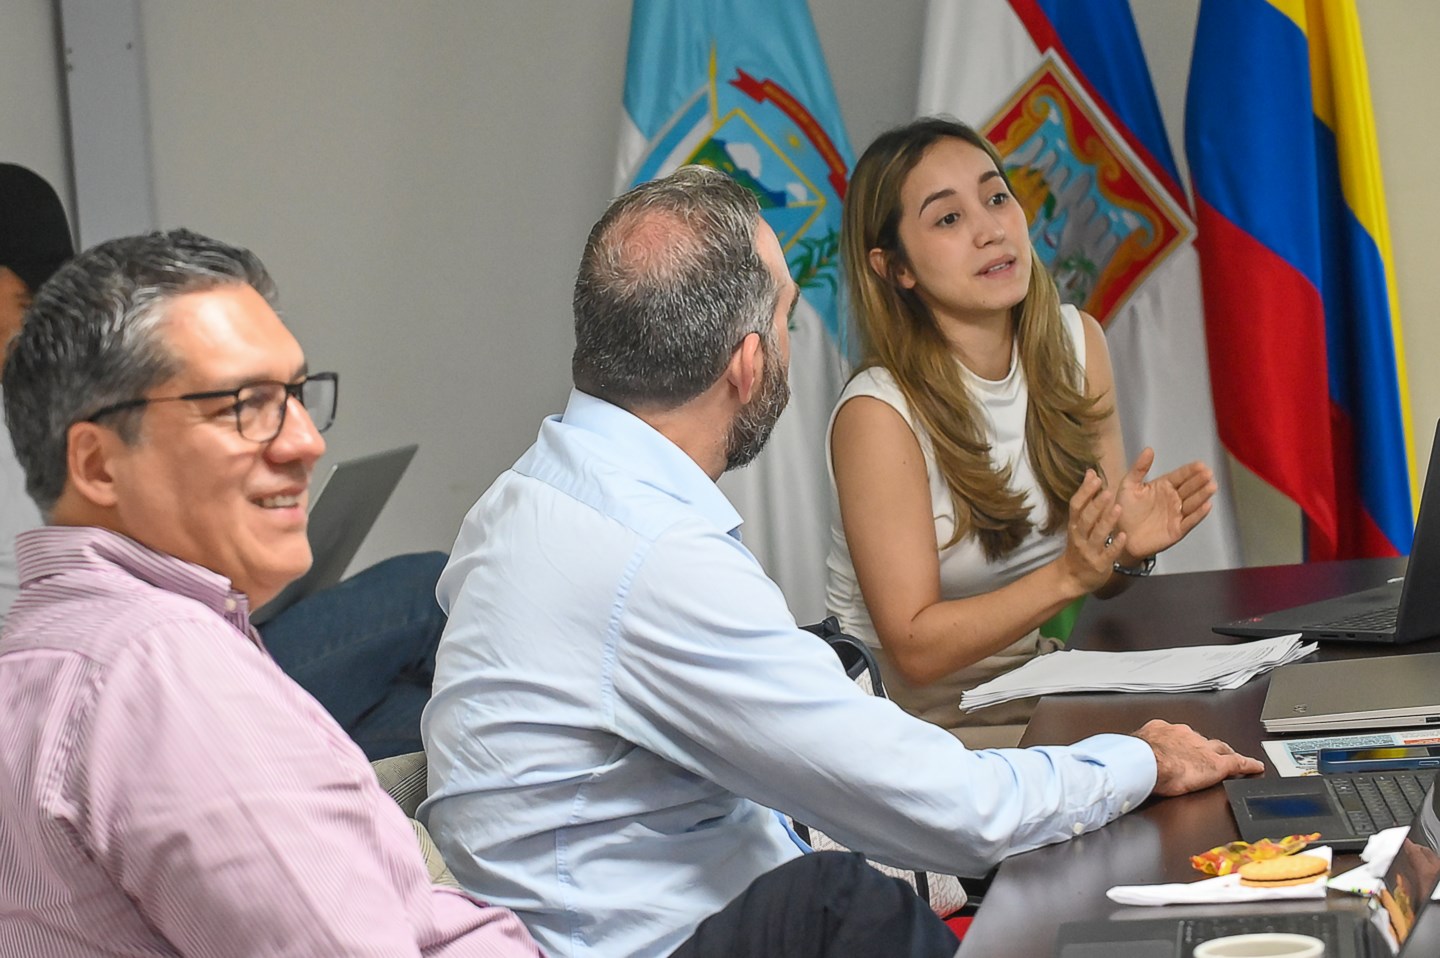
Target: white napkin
1379, 851
1219, 890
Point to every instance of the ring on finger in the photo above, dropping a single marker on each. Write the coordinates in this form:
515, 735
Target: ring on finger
1109, 541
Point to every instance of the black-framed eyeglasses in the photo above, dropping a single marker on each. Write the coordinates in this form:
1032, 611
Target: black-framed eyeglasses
259, 407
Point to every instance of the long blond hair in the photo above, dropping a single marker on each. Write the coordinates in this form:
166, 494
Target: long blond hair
899, 333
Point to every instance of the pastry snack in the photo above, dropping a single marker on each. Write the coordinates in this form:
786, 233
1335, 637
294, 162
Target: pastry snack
1280, 872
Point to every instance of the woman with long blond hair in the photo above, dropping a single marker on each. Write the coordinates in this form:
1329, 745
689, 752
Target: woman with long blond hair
976, 454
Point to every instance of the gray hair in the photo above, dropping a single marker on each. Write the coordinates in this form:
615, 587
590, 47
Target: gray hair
91, 338
669, 284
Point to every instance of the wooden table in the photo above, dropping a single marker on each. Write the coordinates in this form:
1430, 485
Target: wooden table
1034, 893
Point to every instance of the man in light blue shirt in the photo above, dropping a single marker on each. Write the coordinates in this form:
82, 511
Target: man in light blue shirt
622, 695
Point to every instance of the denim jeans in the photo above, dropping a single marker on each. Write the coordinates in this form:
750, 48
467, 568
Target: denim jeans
365, 649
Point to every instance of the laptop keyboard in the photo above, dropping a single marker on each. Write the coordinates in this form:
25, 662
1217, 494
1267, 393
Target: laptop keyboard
1373, 620
1379, 800
1323, 925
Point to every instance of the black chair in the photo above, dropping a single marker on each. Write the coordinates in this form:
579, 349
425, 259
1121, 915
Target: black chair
854, 655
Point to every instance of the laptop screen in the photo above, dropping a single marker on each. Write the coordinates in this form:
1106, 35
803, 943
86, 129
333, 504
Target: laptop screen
1410, 881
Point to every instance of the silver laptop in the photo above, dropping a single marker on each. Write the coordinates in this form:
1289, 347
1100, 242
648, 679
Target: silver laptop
1381, 932
340, 517
1382, 692
1404, 610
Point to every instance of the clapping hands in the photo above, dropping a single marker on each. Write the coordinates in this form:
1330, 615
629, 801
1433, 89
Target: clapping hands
1138, 517
1093, 540
1157, 513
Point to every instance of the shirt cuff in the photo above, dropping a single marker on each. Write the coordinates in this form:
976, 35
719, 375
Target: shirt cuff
1130, 762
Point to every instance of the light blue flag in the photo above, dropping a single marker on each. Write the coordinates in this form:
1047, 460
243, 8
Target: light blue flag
741, 86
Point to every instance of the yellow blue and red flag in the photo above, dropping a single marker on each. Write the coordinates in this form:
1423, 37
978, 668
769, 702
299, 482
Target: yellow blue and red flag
1301, 313
742, 86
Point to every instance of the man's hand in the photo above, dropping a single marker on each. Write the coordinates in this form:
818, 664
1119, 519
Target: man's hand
1186, 761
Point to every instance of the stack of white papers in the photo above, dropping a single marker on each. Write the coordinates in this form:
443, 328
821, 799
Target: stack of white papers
1194, 669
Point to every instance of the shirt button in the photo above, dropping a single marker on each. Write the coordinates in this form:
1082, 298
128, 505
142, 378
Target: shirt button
1078, 828
231, 604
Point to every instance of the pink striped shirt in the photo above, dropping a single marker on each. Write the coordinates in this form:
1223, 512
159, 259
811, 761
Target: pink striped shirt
165, 789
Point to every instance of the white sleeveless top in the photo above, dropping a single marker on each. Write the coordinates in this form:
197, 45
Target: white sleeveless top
964, 571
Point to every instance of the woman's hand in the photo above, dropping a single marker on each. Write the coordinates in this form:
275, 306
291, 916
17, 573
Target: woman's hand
1196, 485
1093, 541
1155, 514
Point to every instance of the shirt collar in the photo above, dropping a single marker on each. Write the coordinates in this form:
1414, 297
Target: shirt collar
642, 450
52, 550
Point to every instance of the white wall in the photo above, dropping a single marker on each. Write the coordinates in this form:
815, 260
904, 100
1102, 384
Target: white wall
1404, 74
32, 132
420, 178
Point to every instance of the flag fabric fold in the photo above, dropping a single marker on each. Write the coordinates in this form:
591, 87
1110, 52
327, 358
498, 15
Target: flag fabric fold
741, 85
1301, 310
1063, 91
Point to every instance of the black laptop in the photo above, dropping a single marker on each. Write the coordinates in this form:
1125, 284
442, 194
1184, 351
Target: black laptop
1402, 610
1381, 931
1345, 809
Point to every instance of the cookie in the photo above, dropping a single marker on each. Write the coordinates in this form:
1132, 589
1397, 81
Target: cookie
1280, 872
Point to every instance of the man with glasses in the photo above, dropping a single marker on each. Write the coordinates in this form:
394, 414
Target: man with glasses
364, 648
164, 787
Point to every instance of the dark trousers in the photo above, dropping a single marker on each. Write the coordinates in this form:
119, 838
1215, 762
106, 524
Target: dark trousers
828, 904
366, 650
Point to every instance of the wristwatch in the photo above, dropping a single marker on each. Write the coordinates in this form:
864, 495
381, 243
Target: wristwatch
1146, 566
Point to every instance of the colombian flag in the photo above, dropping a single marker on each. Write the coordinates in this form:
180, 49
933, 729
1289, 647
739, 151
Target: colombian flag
1301, 313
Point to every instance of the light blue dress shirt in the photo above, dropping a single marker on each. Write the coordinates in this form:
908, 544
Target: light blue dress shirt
622, 696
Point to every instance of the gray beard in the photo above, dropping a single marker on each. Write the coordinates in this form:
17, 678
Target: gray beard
754, 423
